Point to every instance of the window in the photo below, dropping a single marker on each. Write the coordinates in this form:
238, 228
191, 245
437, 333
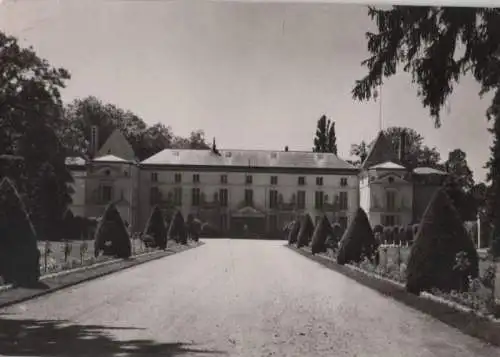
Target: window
178, 178
273, 222
318, 199
154, 195
178, 196
390, 179
223, 179
125, 173
248, 179
249, 197
389, 220
274, 180
106, 193
154, 176
343, 181
196, 178
223, 197
319, 181
343, 201
273, 199
223, 222
302, 180
195, 196
301, 199
390, 200
107, 172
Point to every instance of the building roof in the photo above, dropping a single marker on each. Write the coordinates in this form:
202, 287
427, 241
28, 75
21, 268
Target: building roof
380, 152
428, 171
75, 161
117, 145
111, 158
248, 158
388, 165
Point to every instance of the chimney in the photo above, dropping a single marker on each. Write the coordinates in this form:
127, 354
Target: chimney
94, 140
402, 147
286, 148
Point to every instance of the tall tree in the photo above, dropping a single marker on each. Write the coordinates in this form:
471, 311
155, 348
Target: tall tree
457, 166
325, 139
82, 114
195, 141
424, 41
416, 153
331, 145
31, 112
360, 151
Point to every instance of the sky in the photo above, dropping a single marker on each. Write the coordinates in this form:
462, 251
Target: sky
253, 75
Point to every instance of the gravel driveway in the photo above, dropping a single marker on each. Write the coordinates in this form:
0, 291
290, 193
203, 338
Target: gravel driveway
227, 298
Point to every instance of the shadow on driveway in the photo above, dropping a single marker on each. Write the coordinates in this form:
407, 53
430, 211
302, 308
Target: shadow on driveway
46, 338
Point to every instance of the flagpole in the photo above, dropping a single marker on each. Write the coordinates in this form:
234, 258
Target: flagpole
380, 107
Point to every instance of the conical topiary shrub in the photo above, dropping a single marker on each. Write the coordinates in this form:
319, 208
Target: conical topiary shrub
358, 240
433, 256
177, 229
333, 239
306, 230
155, 227
322, 230
111, 236
19, 254
293, 232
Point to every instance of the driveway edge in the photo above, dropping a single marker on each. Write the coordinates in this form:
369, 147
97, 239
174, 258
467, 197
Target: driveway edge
58, 282
467, 322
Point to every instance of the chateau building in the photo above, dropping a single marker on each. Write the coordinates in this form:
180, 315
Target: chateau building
256, 192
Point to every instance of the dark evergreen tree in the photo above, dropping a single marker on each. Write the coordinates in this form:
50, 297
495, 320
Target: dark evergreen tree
177, 229
331, 145
358, 240
493, 177
305, 232
325, 139
19, 254
156, 228
111, 236
440, 238
31, 109
322, 230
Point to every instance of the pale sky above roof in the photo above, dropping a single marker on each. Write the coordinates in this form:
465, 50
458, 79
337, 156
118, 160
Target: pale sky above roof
254, 75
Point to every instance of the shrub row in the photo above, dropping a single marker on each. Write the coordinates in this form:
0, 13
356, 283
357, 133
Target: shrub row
442, 255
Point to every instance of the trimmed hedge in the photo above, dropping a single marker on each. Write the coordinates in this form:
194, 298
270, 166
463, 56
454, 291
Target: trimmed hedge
19, 254
306, 231
293, 232
155, 227
333, 240
358, 240
322, 230
177, 229
111, 236
440, 239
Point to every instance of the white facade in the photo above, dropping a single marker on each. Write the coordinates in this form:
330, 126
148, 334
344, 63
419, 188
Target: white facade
161, 182
263, 190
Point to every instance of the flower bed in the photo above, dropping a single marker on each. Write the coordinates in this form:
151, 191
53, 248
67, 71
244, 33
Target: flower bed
480, 297
57, 257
